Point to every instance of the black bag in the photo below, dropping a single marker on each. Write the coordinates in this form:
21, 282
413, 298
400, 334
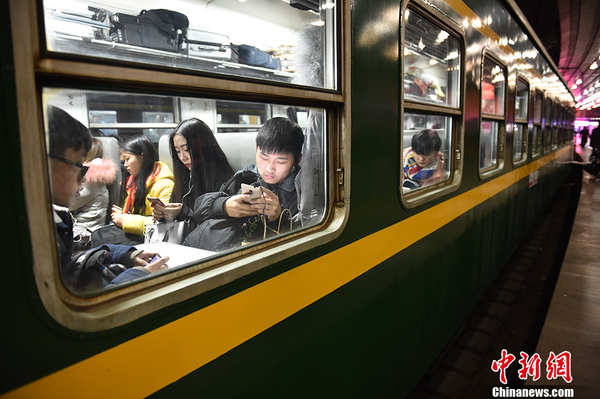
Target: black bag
92, 270
158, 29
112, 234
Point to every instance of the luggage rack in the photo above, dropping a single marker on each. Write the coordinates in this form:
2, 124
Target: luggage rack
70, 44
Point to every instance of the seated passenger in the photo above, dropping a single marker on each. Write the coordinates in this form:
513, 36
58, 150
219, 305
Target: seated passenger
69, 142
228, 218
199, 166
146, 179
90, 208
423, 162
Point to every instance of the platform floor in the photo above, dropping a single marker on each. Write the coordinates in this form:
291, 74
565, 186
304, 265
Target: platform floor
573, 320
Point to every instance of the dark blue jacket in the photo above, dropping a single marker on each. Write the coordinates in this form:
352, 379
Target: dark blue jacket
95, 268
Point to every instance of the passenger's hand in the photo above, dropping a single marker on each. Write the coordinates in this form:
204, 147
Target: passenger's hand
143, 258
268, 204
167, 211
117, 216
239, 206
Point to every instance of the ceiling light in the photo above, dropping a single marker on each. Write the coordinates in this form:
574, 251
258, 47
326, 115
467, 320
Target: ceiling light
594, 65
579, 81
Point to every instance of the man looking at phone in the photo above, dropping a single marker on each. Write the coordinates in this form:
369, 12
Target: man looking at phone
69, 142
231, 216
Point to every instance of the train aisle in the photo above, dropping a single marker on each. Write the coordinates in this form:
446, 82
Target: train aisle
573, 321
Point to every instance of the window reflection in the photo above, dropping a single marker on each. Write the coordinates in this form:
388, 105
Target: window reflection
431, 63
492, 90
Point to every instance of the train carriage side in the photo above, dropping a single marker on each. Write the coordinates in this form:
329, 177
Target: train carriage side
363, 314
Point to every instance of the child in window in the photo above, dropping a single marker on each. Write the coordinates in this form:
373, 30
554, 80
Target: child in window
423, 162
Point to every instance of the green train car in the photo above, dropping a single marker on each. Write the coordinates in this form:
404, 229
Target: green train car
389, 253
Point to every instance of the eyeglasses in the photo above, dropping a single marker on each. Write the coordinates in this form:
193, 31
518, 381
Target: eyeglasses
83, 168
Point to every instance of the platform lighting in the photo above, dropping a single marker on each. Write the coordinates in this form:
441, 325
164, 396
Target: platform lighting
594, 65
579, 81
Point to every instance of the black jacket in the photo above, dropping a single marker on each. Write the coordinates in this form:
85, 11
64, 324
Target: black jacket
218, 232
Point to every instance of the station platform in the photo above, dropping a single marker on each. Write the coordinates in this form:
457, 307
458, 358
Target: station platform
572, 323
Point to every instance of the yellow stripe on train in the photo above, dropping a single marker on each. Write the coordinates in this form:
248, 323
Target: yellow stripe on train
148, 363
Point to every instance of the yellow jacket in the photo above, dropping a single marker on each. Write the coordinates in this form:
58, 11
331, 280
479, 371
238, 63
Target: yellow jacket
161, 186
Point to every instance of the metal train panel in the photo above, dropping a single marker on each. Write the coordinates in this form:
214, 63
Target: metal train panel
364, 313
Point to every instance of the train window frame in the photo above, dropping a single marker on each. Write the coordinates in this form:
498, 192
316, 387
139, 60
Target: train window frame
451, 113
132, 302
537, 130
547, 125
522, 123
97, 31
498, 120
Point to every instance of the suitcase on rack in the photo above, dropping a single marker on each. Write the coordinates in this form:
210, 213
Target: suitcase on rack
208, 45
155, 29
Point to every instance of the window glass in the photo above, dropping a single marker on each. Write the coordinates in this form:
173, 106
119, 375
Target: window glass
489, 144
215, 157
427, 147
259, 39
519, 141
522, 100
492, 90
431, 63
537, 107
536, 140
547, 139
548, 112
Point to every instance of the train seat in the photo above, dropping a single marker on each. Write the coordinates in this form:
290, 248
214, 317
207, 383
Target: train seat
239, 148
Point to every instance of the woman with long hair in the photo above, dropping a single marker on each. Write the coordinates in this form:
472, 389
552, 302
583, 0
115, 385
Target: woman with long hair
199, 166
146, 180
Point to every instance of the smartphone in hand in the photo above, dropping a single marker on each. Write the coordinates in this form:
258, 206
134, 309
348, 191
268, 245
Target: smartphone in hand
253, 191
154, 201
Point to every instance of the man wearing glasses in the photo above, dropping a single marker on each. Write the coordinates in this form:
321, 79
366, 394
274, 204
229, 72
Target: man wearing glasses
69, 142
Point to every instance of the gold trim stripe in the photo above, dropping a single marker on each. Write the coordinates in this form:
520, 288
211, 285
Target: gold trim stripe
146, 364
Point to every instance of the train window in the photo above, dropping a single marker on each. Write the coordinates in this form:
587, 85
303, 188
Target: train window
258, 39
555, 124
493, 89
135, 119
547, 140
426, 157
536, 135
521, 120
431, 63
431, 92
